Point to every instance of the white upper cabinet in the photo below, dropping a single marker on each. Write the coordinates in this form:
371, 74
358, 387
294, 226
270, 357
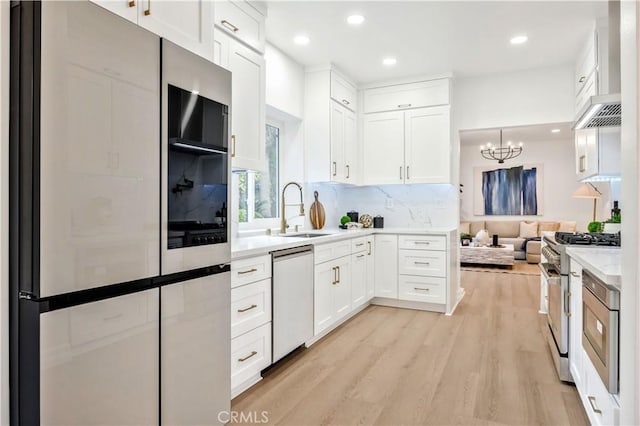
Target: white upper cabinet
598, 152
427, 145
187, 23
343, 92
585, 73
384, 148
330, 128
411, 95
248, 101
243, 20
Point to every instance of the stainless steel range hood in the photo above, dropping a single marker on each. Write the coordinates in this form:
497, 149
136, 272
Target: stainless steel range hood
605, 108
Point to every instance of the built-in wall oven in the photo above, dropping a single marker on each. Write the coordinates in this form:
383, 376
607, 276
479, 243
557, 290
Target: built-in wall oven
195, 163
600, 328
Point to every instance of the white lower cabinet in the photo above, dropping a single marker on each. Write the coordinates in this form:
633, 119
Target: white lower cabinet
575, 324
422, 289
371, 265
386, 266
601, 407
358, 279
332, 292
251, 313
250, 354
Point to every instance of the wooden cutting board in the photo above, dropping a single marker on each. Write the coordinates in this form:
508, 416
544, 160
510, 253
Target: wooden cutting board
316, 213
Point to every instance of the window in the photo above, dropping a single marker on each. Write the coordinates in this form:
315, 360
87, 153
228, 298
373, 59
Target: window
258, 192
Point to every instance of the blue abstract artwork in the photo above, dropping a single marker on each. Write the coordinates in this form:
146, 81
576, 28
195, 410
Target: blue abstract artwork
510, 191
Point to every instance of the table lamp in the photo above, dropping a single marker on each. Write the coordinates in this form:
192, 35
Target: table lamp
587, 190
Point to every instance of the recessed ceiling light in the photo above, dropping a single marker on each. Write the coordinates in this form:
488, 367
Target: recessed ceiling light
555, 131
389, 61
355, 19
519, 39
301, 40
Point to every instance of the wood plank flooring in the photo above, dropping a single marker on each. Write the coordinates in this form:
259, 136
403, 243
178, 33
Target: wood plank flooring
488, 364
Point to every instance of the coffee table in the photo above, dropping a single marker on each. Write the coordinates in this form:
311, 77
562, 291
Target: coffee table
488, 255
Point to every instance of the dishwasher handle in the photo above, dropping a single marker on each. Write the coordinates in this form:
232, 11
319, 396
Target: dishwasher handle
280, 254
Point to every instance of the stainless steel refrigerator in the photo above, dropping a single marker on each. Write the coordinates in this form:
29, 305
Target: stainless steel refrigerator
105, 326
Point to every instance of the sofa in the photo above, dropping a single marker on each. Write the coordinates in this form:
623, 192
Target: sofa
516, 232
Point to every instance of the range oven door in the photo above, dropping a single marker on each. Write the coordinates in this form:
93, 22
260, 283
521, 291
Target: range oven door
600, 338
557, 289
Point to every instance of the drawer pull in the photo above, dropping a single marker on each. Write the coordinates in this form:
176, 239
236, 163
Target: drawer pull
247, 309
360, 255
229, 25
369, 244
247, 272
248, 356
359, 244
426, 243
404, 105
346, 102
132, 3
582, 79
335, 276
575, 274
423, 289
592, 400
422, 263
335, 168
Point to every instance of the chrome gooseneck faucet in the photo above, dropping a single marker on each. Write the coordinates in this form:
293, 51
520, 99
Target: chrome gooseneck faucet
283, 219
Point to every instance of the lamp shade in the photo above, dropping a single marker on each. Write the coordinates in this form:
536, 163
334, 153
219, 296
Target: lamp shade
587, 190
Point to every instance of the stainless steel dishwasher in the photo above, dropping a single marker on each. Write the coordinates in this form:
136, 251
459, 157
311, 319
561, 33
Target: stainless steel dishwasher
292, 299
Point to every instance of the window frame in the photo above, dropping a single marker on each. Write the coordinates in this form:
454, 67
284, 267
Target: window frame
273, 222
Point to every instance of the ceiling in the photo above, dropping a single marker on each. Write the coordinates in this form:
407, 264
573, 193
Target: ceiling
524, 134
431, 37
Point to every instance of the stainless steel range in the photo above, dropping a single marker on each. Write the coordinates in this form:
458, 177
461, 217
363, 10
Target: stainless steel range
555, 271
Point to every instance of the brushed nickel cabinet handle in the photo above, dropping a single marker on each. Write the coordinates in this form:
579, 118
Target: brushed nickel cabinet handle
408, 173
346, 102
147, 11
359, 244
360, 255
248, 271
582, 79
229, 25
592, 400
247, 309
233, 146
335, 276
421, 263
575, 274
335, 168
369, 244
423, 289
422, 242
253, 353
401, 172
348, 171
404, 105
132, 3
582, 163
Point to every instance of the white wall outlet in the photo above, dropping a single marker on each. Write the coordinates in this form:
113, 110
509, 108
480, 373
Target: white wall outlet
388, 203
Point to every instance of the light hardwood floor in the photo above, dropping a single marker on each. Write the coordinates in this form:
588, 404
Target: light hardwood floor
488, 364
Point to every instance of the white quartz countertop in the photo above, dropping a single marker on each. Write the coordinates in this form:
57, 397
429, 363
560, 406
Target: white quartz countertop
604, 263
264, 244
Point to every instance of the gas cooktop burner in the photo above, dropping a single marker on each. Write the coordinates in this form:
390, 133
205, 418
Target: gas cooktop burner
594, 238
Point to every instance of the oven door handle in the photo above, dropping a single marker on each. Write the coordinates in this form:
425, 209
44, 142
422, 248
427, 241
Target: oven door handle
550, 278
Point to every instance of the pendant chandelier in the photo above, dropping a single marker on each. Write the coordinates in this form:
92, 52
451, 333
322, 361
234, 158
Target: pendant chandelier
501, 152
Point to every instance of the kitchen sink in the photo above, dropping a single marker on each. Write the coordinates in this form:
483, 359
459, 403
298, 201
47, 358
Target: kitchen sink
307, 235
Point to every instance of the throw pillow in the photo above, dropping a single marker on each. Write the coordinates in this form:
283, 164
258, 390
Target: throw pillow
566, 226
547, 227
528, 230
464, 228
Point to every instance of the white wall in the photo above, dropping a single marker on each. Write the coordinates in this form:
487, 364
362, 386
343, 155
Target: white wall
285, 82
630, 300
4, 203
512, 99
557, 158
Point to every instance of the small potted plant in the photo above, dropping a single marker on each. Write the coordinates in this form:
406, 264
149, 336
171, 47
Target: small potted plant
613, 224
465, 238
594, 227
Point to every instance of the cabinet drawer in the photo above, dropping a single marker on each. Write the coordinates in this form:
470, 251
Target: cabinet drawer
402, 96
422, 289
343, 92
250, 354
423, 262
325, 252
422, 242
358, 245
597, 397
250, 306
245, 271
241, 20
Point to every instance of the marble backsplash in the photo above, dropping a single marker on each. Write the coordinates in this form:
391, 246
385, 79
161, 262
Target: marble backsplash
402, 206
